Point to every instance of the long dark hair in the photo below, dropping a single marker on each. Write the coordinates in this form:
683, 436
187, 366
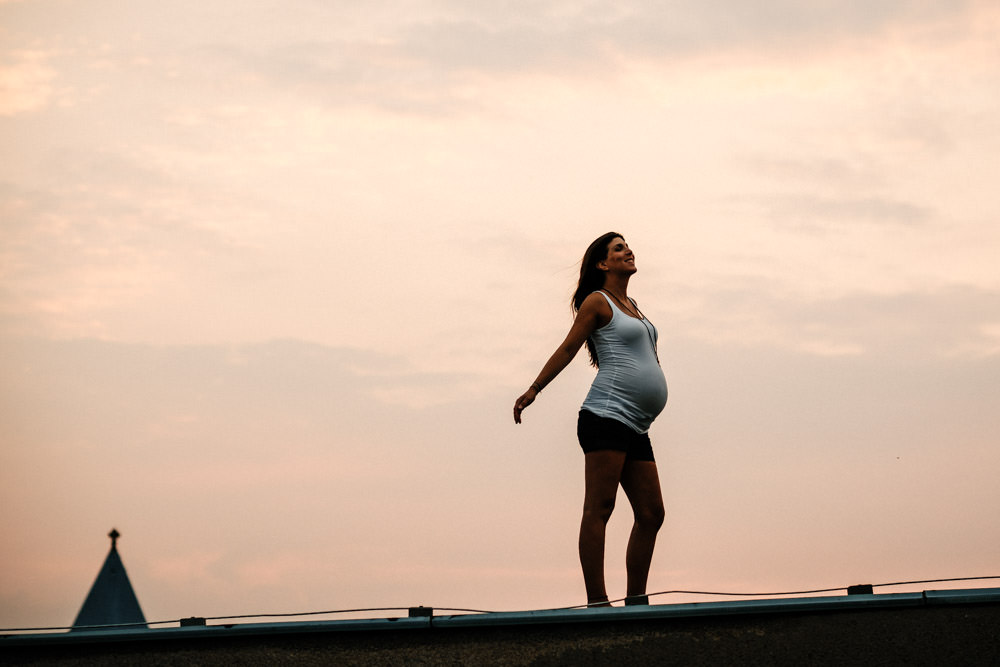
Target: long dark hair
592, 279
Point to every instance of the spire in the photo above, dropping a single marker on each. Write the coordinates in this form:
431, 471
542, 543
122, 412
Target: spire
111, 600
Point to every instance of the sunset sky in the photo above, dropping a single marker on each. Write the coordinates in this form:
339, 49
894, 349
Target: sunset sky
273, 273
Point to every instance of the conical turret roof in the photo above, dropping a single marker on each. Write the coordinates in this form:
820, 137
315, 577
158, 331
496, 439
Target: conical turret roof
111, 600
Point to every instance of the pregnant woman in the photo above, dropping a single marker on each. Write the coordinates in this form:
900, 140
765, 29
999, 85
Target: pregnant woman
628, 393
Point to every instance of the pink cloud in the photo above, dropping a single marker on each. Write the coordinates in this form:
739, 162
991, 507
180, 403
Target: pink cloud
25, 82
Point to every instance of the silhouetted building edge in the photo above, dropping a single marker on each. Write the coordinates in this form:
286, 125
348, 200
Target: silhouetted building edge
111, 600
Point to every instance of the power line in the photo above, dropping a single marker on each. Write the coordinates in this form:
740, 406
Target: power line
125, 626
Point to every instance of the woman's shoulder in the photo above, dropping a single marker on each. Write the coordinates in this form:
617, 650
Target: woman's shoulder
597, 298
597, 304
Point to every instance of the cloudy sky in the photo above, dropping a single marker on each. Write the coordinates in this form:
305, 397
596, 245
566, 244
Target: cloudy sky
272, 274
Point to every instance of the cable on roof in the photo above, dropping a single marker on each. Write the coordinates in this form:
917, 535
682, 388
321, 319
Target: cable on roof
125, 626
822, 590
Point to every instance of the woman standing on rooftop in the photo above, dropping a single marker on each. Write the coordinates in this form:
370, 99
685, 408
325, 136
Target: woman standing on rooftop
628, 393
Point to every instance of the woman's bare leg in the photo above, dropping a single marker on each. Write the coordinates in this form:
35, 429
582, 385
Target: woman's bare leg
603, 470
641, 483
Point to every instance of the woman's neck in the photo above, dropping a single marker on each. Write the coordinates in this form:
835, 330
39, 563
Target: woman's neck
617, 285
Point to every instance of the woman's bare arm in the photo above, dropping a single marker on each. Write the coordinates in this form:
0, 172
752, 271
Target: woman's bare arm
593, 314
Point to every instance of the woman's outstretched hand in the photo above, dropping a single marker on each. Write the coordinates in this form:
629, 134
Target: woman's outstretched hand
523, 401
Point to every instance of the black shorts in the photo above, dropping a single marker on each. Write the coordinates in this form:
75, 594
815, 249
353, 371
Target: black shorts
597, 433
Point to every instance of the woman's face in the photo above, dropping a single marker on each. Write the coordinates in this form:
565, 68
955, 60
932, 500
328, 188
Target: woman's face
620, 257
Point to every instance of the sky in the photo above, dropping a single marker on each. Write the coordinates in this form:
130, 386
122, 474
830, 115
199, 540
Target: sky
273, 273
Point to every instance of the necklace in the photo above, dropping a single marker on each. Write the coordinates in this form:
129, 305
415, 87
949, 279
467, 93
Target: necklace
625, 307
646, 324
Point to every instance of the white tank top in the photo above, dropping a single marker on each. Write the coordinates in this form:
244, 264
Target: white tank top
630, 385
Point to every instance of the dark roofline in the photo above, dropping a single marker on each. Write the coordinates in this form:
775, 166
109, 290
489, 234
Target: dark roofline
424, 619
